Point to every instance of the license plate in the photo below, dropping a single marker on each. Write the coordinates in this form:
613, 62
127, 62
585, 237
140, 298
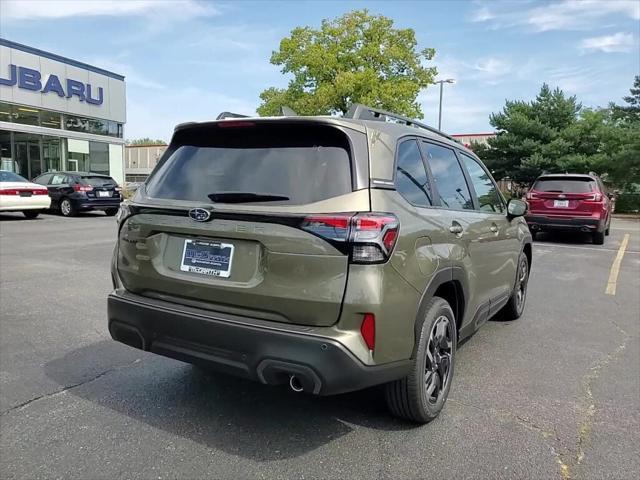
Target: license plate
561, 203
207, 258
102, 193
26, 194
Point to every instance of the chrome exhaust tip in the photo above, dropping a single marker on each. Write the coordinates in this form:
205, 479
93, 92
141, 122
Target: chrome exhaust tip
294, 383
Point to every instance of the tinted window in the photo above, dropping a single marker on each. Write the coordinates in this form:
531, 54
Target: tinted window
565, 185
306, 163
11, 177
486, 191
58, 179
449, 178
96, 181
44, 179
411, 177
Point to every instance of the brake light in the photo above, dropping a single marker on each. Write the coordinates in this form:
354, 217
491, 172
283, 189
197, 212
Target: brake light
82, 188
370, 236
596, 197
368, 330
18, 191
531, 195
235, 124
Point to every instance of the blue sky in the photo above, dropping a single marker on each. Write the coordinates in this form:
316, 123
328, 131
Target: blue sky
188, 60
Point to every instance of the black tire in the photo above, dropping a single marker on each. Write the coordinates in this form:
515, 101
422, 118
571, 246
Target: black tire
598, 238
606, 232
110, 212
534, 235
31, 214
409, 397
67, 209
515, 306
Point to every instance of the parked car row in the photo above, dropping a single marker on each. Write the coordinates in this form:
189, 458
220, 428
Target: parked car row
571, 203
66, 192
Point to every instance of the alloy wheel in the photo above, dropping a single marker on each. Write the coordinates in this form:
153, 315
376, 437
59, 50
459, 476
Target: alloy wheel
65, 208
521, 288
439, 359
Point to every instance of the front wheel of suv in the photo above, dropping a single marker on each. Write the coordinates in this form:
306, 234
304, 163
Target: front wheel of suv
420, 396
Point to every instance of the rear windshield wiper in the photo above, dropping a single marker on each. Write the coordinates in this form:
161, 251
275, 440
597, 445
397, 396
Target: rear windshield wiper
242, 197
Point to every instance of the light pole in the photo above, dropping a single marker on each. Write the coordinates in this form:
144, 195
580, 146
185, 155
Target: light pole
448, 80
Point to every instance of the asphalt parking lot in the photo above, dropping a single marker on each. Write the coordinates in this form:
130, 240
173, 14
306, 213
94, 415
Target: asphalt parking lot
555, 394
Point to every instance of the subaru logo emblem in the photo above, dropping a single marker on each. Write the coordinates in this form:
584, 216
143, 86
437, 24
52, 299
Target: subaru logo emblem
200, 214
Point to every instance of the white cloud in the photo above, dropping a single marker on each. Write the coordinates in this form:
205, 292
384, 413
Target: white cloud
492, 69
489, 70
565, 15
48, 9
132, 76
618, 42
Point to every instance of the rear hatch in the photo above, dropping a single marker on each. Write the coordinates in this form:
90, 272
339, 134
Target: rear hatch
564, 196
103, 187
237, 218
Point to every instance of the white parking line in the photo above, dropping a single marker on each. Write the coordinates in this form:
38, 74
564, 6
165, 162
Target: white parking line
615, 268
580, 247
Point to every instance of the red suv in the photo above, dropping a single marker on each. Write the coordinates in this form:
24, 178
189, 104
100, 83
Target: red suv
570, 202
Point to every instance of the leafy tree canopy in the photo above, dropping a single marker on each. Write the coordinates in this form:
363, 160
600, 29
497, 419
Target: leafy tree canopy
356, 58
555, 134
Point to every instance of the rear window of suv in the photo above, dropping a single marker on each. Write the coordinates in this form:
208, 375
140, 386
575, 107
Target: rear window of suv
565, 185
98, 181
305, 163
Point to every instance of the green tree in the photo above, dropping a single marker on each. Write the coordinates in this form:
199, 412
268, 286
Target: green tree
555, 134
356, 58
145, 141
630, 113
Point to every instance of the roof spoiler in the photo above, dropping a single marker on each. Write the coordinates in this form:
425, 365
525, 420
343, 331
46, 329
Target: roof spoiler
284, 112
358, 111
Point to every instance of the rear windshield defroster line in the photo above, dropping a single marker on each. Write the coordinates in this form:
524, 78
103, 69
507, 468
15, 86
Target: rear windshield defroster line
300, 163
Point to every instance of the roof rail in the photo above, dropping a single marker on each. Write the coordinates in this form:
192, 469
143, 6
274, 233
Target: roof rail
224, 115
363, 112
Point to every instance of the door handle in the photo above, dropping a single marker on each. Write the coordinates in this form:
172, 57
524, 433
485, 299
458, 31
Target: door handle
456, 228
494, 228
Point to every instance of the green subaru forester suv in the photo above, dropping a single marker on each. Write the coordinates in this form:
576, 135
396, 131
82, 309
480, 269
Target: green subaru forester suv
327, 254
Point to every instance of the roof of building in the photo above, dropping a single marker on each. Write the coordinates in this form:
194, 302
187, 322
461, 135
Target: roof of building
58, 58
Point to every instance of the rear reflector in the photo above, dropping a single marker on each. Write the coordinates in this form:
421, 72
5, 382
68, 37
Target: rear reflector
368, 330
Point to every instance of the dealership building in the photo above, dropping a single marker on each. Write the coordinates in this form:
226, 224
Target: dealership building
58, 114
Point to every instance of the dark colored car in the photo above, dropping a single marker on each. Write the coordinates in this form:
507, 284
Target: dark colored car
73, 192
329, 254
569, 202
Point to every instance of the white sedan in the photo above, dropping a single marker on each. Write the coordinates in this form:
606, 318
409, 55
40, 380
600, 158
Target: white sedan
17, 194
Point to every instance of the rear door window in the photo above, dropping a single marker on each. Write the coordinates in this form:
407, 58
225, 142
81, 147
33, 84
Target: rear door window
59, 179
489, 199
411, 177
303, 163
449, 178
565, 185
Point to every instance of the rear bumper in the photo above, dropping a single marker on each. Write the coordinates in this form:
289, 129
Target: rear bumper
90, 204
545, 223
268, 354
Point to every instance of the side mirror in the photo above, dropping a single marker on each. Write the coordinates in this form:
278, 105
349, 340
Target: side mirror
516, 208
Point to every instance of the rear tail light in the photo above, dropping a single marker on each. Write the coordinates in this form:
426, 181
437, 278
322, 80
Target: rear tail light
18, 191
531, 195
118, 189
596, 197
370, 236
368, 330
82, 188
